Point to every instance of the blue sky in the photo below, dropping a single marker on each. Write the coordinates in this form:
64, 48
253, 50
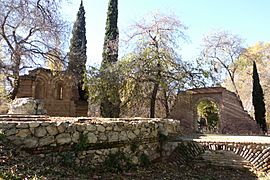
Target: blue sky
247, 18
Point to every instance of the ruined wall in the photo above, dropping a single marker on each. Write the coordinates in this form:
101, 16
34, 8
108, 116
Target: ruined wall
89, 142
233, 119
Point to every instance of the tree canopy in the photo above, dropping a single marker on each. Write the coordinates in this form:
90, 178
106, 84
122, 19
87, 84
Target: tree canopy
30, 30
258, 100
77, 52
109, 89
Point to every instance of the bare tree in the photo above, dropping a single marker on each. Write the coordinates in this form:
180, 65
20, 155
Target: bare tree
221, 50
155, 59
30, 30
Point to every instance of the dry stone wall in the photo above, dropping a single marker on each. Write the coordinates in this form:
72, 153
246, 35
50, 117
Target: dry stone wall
89, 141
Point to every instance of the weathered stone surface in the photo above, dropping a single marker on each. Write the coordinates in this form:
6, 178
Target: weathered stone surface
26, 106
131, 135
109, 128
116, 128
40, 132
92, 138
22, 126
62, 127
102, 137
137, 132
75, 137
123, 136
30, 142
100, 128
91, 127
135, 160
23, 133
80, 127
63, 138
10, 132
45, 123
52, 130
46, 140
113, 136
34, 124
99, 152
32, 130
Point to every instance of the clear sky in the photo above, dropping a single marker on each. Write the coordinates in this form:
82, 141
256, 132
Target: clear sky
247, 18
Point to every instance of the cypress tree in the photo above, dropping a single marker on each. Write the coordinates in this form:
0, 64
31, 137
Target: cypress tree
258, 100
109, 92
77, 51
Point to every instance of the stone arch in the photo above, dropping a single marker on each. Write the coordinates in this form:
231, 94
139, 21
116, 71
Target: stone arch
197, 101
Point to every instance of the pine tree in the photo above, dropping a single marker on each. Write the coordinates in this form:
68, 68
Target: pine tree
110, 100
77, 53
258, 100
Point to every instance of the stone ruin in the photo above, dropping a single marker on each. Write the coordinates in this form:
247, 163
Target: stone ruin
57, 91
233, 119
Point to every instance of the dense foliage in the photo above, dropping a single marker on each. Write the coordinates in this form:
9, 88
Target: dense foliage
77, 53
258, 100
209, 111
109, 89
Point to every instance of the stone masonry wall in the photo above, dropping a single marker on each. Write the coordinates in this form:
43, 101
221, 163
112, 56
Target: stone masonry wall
89, 141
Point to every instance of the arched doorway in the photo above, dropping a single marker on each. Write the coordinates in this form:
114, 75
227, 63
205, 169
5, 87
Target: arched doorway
40, 89
208, 116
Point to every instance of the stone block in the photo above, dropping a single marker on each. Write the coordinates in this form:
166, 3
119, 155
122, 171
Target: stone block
30, 142
91, 127
40, 132
75, 137
92, 138
10, 132
26, 106
22, 126
131, 135
113, 136
33, 124
52, 130
46, 141
123, 136
64, 138
101, 128
22, 133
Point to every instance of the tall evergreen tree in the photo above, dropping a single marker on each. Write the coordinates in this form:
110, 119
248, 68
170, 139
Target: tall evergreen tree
77, 51
258, 100
110, 99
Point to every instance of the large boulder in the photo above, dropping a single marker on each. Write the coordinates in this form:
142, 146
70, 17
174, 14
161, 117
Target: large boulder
27, 106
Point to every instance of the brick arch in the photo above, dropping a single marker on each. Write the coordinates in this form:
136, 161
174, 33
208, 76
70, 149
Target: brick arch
233, 118
257, 154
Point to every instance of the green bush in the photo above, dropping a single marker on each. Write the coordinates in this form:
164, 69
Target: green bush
82, 143
144, 160
134, 146
117, 162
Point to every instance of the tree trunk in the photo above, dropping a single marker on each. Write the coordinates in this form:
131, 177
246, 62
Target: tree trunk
166, 103
153, 100
16, 75
154, 92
